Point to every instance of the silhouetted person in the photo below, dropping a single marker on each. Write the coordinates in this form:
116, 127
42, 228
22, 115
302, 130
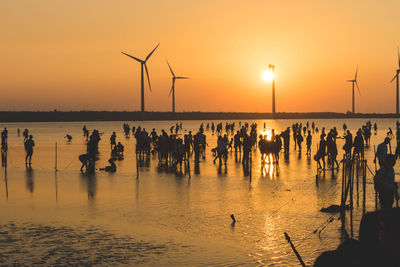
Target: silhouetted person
286, 141
348, 144
382, 152
222, 151
180, 151
332, 149
247, 145
113, 140
359, 144
111, 168
69, 137
237, 143
197, 147
384, 182
84, 158
92, 150
299, 140
25, 134
18, 131
118, 151
29, 144
308, 143
321, 153
4, 137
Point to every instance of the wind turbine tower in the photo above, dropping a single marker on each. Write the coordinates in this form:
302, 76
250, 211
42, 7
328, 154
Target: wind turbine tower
143, 66
173, 86
354, 82
397, 82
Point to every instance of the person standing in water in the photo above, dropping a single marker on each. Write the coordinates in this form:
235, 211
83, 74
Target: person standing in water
29, 144
4, 137
382, 152
384, 182
321, 153
309, 142
113, 140
25, 134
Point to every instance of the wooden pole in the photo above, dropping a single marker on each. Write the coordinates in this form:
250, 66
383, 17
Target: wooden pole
294, 250
351, 183
55, 160
376, 193
364, 183
342, 204
357, 181
6, 180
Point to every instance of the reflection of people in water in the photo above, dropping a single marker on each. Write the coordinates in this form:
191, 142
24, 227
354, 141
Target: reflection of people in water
29, 178
111, 168
29, 144
90, 182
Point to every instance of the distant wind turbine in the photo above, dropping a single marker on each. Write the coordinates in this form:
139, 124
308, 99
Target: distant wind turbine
173, 86
397, 82
143, 65
354, 82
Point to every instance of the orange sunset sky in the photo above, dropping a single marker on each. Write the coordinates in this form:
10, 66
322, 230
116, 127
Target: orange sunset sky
65, 55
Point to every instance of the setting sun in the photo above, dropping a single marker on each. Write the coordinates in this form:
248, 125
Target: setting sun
268, 134
268, 75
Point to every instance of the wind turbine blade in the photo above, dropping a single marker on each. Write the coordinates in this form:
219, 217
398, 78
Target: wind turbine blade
152, 52
398, 56
358, 88
172, 88
182, 77
170, 69
147, 74
395, 76
350, 80
355, 77
131, 57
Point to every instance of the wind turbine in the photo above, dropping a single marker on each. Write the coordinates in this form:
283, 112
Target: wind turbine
173, 86
143, 65
354, 82
397, 82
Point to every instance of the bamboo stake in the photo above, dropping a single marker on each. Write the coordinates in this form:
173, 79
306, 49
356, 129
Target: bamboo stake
294, 250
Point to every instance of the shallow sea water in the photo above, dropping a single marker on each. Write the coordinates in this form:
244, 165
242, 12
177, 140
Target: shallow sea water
165, 218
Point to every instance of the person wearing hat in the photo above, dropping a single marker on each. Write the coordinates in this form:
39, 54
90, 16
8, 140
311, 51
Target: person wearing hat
382, 152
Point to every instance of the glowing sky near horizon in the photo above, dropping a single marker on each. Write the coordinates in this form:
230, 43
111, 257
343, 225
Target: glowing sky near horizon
65, 55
